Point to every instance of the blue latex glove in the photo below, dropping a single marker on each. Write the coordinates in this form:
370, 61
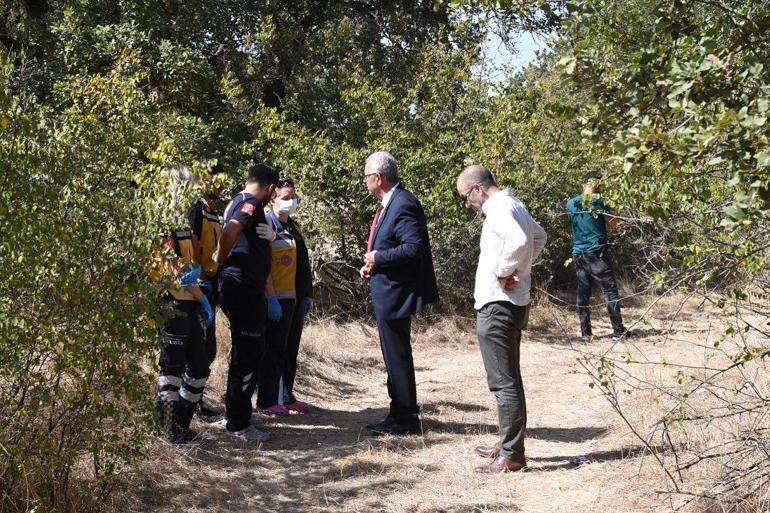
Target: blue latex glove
274, 311
308, 304
190, 277
207, 313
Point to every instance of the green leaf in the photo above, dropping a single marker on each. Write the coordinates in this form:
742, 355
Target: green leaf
568, 64
763, 159
679, 88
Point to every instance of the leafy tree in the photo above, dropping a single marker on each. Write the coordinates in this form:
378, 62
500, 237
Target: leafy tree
101, 99
677, 93
672, 99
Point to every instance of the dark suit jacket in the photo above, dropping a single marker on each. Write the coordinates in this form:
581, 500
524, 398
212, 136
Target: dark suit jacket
403, 280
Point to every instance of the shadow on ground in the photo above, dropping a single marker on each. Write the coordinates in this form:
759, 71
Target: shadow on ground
567, 461
569, 435
306, 456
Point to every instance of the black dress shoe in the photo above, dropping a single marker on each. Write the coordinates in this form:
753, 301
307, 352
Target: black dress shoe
380, 424
397, 428
208, 415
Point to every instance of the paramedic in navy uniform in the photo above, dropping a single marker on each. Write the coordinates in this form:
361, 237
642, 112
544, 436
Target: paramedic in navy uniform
243, 256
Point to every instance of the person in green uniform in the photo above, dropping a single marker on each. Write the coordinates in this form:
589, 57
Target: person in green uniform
590, 218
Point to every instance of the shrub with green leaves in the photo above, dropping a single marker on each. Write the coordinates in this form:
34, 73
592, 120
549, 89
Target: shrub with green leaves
100, 100
677, 93
78, 317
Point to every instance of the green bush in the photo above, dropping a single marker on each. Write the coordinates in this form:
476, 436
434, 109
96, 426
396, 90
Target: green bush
76, 323
100, 100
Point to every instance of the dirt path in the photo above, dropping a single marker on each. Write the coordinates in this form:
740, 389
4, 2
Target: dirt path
325, 461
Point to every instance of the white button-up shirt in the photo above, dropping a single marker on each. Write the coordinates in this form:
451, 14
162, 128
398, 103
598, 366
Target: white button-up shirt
510, 242
388, 195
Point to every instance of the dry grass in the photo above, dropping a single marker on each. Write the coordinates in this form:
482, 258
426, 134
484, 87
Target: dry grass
581, 456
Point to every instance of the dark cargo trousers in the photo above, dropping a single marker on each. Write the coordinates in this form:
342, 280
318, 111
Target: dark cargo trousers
292, 352
210, 333
245, 308
183, 368
498, 326
591, 266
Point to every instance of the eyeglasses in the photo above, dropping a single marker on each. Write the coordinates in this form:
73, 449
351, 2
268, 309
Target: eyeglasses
367, 175
288, 182
464, 197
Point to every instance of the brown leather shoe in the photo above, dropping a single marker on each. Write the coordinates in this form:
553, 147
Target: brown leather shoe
488, 451
502, 464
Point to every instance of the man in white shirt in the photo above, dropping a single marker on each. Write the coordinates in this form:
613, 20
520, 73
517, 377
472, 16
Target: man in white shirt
510, 242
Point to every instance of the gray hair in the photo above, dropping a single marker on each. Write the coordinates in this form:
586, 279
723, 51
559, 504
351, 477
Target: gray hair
384, 163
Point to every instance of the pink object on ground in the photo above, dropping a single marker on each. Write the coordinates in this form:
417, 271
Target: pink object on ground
298, 406
278, 410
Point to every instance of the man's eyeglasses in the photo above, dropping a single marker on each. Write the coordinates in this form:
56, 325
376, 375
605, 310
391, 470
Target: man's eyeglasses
367, 175
464, 197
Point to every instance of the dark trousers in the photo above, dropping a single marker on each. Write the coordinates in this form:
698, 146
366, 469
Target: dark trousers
211, 331
244, 305
397, 352
292, 353
271, 368
183, 367
498, 326
591, 266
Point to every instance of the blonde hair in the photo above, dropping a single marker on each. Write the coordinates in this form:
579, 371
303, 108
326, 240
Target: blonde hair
178, 180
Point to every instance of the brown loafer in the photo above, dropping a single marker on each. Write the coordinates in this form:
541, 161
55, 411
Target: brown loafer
488, 451
502, 464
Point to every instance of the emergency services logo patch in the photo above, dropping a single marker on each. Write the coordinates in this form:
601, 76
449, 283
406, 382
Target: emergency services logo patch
248, 209
286, 260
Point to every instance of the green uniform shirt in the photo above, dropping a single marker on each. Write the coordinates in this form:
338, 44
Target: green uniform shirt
589, 228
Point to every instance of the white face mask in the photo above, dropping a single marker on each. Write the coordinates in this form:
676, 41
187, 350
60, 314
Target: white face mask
287, 207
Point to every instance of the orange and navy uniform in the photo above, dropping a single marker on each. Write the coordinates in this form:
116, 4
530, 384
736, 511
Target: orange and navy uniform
292, 281
176, 248
290, 265
183, 369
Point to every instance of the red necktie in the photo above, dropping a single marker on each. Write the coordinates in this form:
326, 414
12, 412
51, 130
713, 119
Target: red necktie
374, 225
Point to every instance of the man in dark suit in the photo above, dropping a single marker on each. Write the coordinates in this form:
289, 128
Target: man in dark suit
399, 267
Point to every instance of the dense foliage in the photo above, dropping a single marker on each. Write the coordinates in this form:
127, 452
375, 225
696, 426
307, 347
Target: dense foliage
101, 98
678, 94
672, 100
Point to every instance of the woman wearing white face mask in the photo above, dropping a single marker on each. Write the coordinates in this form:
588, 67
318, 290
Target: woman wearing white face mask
290, 298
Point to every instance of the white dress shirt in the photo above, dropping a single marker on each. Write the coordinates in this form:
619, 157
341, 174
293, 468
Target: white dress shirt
388, 195
510, 242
